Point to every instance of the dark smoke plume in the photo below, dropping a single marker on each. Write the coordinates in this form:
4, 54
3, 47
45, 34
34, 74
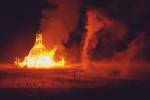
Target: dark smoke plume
59, 20
125, 22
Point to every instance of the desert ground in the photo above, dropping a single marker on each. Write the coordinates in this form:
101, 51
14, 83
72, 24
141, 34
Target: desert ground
72, 84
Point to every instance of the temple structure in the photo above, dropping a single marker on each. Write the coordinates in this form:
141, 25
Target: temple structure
39, 57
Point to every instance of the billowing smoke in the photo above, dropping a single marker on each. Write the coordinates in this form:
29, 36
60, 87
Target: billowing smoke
104, 34
100, 27
94, 23
134, 48
109, 38
125, 23
59, 19
121, 39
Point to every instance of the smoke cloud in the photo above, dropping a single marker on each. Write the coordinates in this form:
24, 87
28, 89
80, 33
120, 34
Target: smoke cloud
58, 21
99, 26
134, 48
123, 32
107, 28
93, 25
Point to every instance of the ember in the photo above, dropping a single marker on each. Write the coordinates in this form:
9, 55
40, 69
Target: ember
39, 57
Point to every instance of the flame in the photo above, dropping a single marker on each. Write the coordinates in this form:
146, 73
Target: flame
39, 57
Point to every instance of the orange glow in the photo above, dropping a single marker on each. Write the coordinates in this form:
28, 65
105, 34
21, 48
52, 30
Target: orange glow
39, 57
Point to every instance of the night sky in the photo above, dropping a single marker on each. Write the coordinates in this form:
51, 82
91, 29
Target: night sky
20, 20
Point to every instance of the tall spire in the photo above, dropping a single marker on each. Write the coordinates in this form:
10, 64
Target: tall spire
38, 38
38, 42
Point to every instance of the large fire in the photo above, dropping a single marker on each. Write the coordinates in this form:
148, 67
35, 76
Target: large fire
39, 57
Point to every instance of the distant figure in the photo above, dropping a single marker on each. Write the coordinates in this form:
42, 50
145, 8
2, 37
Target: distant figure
75, 76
